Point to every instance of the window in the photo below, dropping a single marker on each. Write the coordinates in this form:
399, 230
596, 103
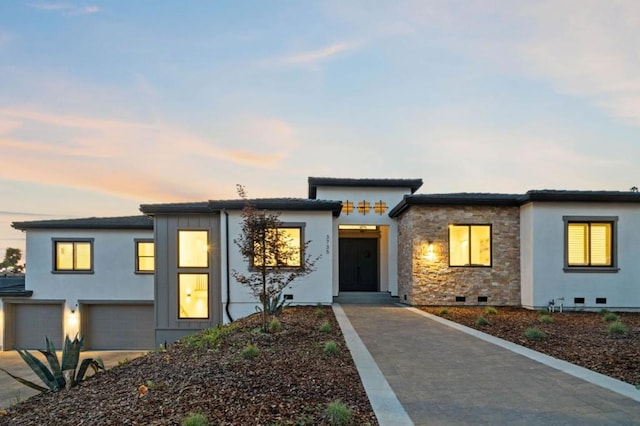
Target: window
282, 248
73, 255
193, 296
469, 245
193, 249
145, 257
589, 243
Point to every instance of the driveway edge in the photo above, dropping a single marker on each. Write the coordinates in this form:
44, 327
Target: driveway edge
585, 374
383, 399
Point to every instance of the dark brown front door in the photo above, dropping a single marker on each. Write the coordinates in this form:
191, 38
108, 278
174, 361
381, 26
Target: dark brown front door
358, 264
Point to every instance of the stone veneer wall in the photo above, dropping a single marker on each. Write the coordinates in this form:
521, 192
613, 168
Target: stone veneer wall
424, 281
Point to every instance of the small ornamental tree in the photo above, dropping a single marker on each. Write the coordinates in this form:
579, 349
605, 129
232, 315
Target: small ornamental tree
11, 258
274, 260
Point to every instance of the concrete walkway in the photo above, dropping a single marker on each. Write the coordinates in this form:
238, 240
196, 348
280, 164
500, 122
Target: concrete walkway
444, 376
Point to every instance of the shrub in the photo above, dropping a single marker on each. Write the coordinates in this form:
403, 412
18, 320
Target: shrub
59, 375
250, 351
610, 316
275, 326
617, 327
208, 337
338, 414
443, 311
330, 348
534, 333
320, 313
490, 310
603, 311
325, 327
195, 419
546, 318
482, 321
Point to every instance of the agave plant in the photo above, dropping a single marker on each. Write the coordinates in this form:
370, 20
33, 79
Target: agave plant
58, 375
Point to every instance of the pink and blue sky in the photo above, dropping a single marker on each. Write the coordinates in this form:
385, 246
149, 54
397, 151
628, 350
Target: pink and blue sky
105, 105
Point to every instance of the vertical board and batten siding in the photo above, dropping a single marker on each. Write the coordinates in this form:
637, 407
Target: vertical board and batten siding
168, 326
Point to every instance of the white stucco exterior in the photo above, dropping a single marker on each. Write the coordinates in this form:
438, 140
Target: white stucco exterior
543, 248
113, 277
311, 289
388, 244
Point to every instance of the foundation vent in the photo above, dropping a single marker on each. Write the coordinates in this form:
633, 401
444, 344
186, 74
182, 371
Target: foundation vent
483, 299
601, 300
461, 299
578, 300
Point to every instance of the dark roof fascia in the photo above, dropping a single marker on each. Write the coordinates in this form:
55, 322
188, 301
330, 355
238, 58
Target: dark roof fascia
24, 293
169, 208
280, 204
123, 222
315, 182
456, 199
581, 196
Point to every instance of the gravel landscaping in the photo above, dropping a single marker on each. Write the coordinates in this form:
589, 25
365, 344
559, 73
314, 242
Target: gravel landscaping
288, 376
582, 338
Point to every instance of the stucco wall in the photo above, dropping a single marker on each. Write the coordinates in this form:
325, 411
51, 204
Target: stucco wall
429, 280
113, 276
550, 281
311, 289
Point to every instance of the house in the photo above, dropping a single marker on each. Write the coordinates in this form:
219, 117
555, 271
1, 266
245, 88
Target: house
141, 281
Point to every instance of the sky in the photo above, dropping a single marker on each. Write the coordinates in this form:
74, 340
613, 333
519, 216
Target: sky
106, 105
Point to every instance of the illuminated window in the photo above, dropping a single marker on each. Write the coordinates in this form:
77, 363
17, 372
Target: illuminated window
364, 207
282, 247
73, 256
347, 207
589, 243
193, 249
380, 207
145, 257
470, 245
193, 296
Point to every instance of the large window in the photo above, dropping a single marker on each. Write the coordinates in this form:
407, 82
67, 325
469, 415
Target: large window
470, 245
193, 249
193, 295
282, 247
73, 255
145, 257
589, 243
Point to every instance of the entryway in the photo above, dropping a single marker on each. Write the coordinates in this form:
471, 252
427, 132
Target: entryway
358, 264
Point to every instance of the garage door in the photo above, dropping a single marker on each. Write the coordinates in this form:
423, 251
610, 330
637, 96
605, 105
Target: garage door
34, 322
119, 327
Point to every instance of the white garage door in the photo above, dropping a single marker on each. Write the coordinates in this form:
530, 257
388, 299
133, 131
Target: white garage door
34, 322
119, 327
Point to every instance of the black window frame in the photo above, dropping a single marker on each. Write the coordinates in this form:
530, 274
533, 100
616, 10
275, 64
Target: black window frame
288, 225
136, 242
471, 265
611, 220
74, 241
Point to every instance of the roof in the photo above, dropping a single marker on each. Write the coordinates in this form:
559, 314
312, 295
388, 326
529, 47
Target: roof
13, 286
456, 199
281, 204
123, 222
196, 207
315, 182
493, 199
582, 196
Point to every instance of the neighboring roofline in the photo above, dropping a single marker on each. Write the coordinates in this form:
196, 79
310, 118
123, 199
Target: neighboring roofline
22, 293
494, 199
168, 208
281, 204
315, 182
121, 222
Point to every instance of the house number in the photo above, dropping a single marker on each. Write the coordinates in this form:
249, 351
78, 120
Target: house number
328, 244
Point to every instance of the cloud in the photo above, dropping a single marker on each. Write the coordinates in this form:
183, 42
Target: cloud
319, 55
134, 160
66, 8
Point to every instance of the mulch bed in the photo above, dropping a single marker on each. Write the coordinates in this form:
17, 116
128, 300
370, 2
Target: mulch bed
291, 381
581, 338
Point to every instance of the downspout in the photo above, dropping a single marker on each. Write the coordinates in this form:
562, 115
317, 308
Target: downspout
226, 214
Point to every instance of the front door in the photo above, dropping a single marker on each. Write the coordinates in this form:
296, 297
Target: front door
358, 264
